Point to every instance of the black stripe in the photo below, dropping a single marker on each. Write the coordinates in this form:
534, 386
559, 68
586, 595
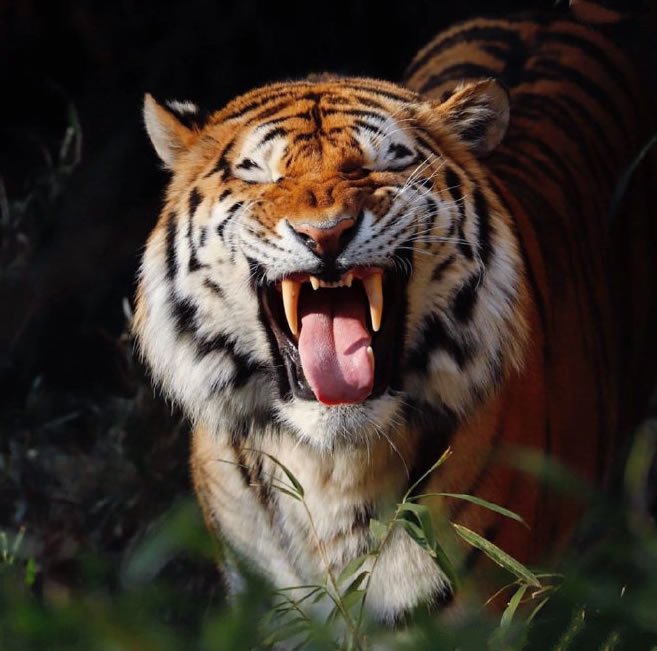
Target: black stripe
560, 111
230, 213
184, 312
454, 187
466, 299
274, 133
409, 96
305, 137
257, 103
268, 112
361, 113
432, 210
245, 367
457, 71
467, 35
554, 71
398, 150
194, 201
242, 464
222, 165
214, 287
484, 224
529, 160
442, 267
433, 337
171, 255
597, 54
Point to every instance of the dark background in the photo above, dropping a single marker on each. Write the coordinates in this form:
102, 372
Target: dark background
89, 457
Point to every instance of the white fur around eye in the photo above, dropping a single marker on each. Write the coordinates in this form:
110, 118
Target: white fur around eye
387, 148
259, 156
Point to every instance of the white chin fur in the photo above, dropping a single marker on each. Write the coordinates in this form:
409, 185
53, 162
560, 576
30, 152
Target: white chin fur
325, 427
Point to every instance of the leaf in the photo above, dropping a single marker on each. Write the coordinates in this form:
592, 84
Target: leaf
351, 568
497, 555
417, 534
353, 598
288, 473
479, 502
378, 530
286, 491
355, 584
423, 517
512, 606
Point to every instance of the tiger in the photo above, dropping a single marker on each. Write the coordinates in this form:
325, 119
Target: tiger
351, 276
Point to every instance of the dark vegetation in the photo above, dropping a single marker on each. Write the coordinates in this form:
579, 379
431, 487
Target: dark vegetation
101, 545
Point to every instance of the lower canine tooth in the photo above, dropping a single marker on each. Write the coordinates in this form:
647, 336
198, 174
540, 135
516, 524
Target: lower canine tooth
291, 290
374, 289
370, 353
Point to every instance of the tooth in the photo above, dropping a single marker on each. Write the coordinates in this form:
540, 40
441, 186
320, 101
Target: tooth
291, 289
374, 290
348, 279
370, 353
314, 282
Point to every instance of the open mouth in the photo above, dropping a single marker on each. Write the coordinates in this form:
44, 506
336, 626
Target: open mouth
338, 342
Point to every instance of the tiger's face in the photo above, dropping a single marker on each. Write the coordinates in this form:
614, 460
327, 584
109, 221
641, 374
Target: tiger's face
329, 257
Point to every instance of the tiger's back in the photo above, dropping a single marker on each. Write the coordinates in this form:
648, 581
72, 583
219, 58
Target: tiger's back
580, 115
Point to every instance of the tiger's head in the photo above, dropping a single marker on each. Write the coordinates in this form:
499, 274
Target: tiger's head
330, 256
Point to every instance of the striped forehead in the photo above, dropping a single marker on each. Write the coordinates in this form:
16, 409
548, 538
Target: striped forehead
376, 134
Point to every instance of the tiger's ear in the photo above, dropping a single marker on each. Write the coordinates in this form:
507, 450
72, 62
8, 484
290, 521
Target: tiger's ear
165, 127
479, 114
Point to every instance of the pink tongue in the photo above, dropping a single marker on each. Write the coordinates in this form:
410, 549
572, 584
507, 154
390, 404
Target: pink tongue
333, 345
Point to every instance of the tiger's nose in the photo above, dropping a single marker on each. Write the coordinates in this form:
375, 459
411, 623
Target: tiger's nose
327, 239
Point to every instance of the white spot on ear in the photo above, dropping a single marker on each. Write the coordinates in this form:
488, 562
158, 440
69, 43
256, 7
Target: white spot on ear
182, 107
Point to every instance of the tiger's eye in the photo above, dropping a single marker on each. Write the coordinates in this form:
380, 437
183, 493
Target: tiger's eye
353, 171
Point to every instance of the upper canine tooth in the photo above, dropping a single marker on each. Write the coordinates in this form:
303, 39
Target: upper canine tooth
314, 282
348, 279
291, 290
374, 289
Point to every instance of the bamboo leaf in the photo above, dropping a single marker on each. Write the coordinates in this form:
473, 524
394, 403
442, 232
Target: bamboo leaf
479, 502
351, 568
352, 599
416, 533
512, 606
355, 584
378, 530
497, 555
423, 517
